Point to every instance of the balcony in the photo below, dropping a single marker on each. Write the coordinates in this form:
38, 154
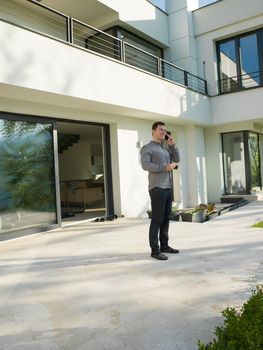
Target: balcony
56, 25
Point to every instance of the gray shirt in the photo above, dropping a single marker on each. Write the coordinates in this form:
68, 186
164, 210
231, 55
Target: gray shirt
154, 158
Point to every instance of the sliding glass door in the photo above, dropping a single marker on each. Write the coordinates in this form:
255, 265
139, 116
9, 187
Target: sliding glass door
234, 163
27, 179
242, 160
254, 160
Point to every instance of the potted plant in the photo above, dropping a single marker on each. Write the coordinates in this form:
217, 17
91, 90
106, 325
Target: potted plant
210, 210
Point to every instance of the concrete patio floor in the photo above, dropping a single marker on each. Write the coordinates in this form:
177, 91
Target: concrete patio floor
93, 286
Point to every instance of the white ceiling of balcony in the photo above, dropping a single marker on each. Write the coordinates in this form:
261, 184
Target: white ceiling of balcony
92, 12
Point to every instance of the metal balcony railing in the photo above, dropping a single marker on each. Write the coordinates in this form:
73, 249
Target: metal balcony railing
60, 26
173, 73
241, 82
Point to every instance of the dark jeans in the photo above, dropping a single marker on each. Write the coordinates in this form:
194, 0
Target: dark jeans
161, 200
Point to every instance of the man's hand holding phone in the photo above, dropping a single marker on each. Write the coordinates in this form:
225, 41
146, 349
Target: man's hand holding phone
171, 166
169, 139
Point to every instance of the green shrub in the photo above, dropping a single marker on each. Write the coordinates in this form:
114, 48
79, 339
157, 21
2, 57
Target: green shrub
241, 330
258, 224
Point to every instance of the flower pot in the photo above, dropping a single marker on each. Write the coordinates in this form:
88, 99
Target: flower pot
199, 216
193, 217
175, 216
186, 216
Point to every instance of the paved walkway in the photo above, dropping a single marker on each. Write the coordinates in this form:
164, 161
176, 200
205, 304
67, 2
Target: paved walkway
93, 286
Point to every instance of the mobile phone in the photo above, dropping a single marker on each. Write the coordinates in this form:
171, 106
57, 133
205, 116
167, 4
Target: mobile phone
168, 134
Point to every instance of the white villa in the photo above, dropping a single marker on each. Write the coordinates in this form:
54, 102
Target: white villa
81, 83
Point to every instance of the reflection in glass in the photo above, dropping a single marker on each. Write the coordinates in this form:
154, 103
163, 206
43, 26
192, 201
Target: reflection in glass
240, 62
254, 160
234, 163
228, 65
260, 143
27, 191
249, 61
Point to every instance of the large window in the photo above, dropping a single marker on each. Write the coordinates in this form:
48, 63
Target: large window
240, 62
242, 160
27, 186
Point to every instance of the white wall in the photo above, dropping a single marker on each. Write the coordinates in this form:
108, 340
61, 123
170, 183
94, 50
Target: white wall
133, 179
196, 166
181, 36
143, 16
237, 107
226, 14
214, 166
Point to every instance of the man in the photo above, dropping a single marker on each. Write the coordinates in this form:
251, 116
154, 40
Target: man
159, 158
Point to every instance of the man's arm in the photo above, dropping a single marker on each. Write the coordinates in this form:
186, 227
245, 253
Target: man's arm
173, 150
148, 165
174, 154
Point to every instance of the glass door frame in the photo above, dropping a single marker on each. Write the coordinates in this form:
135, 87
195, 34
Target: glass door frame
106, 145
21, 117
247, 165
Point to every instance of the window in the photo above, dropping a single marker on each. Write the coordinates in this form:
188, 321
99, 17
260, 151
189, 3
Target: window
240, 62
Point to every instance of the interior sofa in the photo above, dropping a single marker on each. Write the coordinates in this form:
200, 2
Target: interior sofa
81, 193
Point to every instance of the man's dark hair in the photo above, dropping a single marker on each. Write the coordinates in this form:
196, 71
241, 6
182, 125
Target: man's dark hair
155, 125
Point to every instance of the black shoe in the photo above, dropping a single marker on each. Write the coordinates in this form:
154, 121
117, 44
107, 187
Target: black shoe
159, 256
169, 250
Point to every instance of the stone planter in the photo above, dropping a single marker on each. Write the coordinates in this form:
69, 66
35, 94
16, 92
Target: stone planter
193, 217
213, 215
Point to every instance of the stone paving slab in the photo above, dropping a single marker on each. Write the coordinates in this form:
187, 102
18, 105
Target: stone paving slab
93, 286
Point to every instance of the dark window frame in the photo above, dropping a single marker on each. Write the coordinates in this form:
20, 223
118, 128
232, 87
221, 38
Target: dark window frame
236, 38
